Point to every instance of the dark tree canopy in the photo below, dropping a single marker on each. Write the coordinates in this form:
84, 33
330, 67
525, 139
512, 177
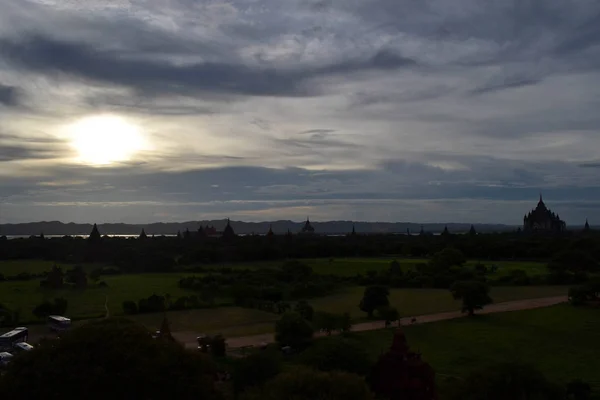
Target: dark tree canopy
506, 381
337, 354
373, 298
113, 358
306, 384
255, 369
293, 330
304, 309
474, 295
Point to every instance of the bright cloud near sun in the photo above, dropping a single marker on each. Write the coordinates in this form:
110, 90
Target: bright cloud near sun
105, 139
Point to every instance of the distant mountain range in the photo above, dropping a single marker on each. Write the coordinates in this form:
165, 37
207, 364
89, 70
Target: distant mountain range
279, 227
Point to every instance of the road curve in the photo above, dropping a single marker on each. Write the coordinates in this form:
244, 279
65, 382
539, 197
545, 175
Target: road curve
189, 338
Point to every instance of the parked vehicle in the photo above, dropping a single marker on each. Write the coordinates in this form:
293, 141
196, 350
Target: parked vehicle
9, 339
22, 347
56, 323
5, 359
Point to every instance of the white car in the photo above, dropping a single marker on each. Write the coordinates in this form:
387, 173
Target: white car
23, 347
5, 358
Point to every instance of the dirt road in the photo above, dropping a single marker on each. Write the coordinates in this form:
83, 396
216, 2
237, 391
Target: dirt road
189, 338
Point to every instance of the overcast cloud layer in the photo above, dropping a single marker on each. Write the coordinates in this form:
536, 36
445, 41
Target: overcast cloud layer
389, 110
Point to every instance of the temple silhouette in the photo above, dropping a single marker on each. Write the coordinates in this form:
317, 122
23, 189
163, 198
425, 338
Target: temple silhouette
542, 219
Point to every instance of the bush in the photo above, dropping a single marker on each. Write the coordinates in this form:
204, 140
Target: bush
56, 307
305, 310
337, 354
373, 298
129, 307
83, 365
293, 330
474, 295
506, 381
255, 369
306, 384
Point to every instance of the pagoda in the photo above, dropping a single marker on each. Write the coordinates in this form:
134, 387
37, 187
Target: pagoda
307, 229
270, 234
228, 232
401, 374
542, 219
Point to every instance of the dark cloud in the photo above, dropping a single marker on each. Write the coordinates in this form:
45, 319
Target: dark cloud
593, 164
17, 148
510, 82
316, 131
45, 55
9, 96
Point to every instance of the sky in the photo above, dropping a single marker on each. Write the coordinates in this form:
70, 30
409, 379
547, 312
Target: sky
369, 110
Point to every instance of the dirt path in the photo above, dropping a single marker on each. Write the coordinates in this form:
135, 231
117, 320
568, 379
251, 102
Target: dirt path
189, 338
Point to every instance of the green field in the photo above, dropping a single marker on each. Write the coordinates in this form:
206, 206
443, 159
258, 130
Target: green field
338, 266
89, 303
229, 321
354, 266
561, 341
411, 302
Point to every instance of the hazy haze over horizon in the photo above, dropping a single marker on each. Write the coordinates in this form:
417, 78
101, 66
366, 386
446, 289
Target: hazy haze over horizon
379, 110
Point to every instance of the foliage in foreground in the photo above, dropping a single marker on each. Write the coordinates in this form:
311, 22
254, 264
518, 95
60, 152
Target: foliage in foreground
506, 381
337, 354
113, 357
307, 384
293, 330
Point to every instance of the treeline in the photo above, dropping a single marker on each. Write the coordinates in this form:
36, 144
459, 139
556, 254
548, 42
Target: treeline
165, 254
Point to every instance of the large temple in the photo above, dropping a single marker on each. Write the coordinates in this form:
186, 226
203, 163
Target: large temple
542, 219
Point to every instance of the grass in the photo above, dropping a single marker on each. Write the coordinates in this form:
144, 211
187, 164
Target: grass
326, 266
89, 303
561, 341
354, 266
411, 302
230, 321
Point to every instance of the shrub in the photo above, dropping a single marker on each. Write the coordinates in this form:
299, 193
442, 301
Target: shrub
129, 307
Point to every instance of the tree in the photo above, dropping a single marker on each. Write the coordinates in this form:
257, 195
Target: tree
218, 347
306, 384
147, 368
345, 322
293, 330
578, 390
255, 369
54, 279
388, 314
6, 316
129, 307
449, 257
373, 298
95, 274
506, 381
395, 268
77, 277
474, 295
574, 261
337, 354
56, 307
304, 309
327, 322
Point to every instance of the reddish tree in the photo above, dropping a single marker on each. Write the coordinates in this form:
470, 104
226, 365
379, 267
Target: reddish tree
402, 374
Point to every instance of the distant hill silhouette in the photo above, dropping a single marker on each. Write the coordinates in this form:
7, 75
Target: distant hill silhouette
240, 227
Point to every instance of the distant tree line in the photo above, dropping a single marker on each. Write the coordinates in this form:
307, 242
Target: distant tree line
165, 254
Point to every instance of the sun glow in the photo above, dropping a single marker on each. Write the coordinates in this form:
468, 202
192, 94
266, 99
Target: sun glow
105, 139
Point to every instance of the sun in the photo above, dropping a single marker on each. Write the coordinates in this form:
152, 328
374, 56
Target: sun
105, 139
